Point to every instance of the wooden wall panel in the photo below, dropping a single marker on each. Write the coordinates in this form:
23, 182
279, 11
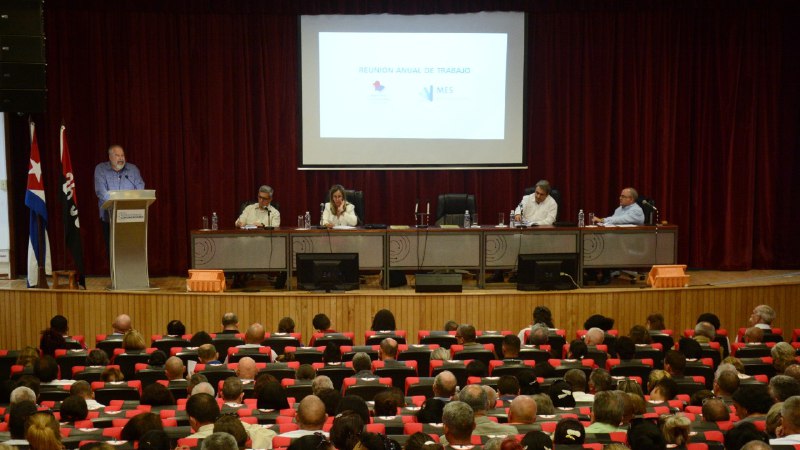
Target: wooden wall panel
24, 313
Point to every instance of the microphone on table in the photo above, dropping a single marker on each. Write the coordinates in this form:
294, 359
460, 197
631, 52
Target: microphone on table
268, 226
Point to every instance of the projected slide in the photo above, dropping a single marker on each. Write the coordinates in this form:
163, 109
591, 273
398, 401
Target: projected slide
394, 92
412, 85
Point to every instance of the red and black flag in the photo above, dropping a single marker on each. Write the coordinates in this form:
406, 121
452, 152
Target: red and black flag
69, 202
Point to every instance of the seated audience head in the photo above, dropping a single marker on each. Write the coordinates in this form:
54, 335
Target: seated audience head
763, 314
200, 338
202, 409
441, 354
594, 336
321, 322
599, 321
362, 361
83, 389
271, 395
726, 381
355, 404
508, 385
27, 356
420, 441
781, 387
577, 350
600, 380
121, 324
544, 406
286, 325
73, 408
321, 382
675, 363
477, 368
639, 405
176, 328
311, 413
96, 357
735, 362
576, 379
676, 430
690, 348
232, 390
640, 335
133, 340
174, 368
511, 345
751, 399
42, 432
157, 359
383, 321
626, 349
793, 370
386, 404
710, 318
645, 435
46, 369
230, 322
474, 396
561, 394
754, 335
542, 314
655, 321
255, 334
152, 440
139, 425
773, 420
450, 325
234, 427
18, 414
630, 386
331, 399
346, 430
465, 333
203, 388
664, 390
533, 440
698, 397
444, 384
316, 441
607, 408
156, 395
705, 329
431, 411
715, 410
219, 441
790, 412
458, 421
569, 432
247, 368
207, 353
194, 380
388, 349
112, 374
305, 372
742, 434
522, 410
51, 341
783, 356
331, 354
539, 333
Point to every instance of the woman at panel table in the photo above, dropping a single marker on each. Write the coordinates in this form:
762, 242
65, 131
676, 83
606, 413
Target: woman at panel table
338, 211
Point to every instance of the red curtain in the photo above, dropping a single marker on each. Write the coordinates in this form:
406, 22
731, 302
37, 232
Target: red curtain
696, 104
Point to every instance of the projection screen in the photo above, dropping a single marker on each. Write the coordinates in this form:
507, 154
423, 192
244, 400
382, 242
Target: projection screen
412, 92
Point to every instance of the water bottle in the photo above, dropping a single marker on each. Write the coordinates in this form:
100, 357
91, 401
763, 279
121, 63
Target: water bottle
214, 221
308, 220
511, 222
580, 219
322, 214
466, 219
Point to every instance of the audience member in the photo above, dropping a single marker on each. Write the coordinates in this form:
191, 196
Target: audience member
466, 335
112, 375
754, 335
444, 386
626, 348
346, 430
355, 404
789, 431
271, 395
569, 432
386, 403
522, 410
751, 402
176, 328
232, 426
431, 411
152, 440
73, 408
664, 390
704, 332
508, 387
219, 441
305, 372
561, 394
715, 410
230, 323
477, 368
655, 322
600, 380
599, 321
286, 325
781, 387
321, 382
83, 389
533, 440
710, 318
676, 430
640, 335
232, 391
783, 356
450, 325
140, 424
607, 411
247, 370
594, 336
121, 324
362, 364
544, 406
322, 324
741, 434
331, 398
773, 420
577, 350
475, 396
42, 432
54, 338
458, 422
174, 368
726, 382
383, 321
762, 317
645, 435
310, 417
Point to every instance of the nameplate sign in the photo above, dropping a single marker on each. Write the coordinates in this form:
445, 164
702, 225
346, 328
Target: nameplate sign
130, 215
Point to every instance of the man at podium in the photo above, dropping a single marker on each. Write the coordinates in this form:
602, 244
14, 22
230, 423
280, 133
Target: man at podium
114, 175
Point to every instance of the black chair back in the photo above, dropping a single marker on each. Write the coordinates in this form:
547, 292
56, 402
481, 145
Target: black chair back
649, 211
450, 208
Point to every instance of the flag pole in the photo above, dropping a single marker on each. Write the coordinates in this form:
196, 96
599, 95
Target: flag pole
42, 282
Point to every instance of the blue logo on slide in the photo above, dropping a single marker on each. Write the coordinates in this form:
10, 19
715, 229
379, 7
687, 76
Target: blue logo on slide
427, 92
378, 86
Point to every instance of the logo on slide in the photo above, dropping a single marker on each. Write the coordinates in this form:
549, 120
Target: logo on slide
427, 92
378, 86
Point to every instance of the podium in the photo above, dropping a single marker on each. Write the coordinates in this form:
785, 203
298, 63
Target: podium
127, 212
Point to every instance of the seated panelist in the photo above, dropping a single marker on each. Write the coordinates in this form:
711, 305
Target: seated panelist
538, 208
261, 214
628, 213
338, 211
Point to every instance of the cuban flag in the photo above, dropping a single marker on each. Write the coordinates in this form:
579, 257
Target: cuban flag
38, 250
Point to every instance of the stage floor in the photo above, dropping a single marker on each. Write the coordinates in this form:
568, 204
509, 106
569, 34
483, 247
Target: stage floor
264, 283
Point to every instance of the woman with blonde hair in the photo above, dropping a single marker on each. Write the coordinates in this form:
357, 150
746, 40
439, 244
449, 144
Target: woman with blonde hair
133, 340
676, 430
338, 211
42, 432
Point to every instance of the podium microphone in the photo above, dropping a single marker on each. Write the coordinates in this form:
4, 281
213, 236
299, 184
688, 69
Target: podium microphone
645, 202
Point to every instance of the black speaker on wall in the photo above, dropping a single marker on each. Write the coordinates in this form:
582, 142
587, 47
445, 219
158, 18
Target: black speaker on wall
23, 84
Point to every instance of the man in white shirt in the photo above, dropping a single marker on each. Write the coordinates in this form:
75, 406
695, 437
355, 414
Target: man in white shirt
538, 208
789, 430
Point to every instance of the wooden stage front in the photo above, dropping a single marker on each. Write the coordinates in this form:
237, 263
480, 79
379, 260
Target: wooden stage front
730, 295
